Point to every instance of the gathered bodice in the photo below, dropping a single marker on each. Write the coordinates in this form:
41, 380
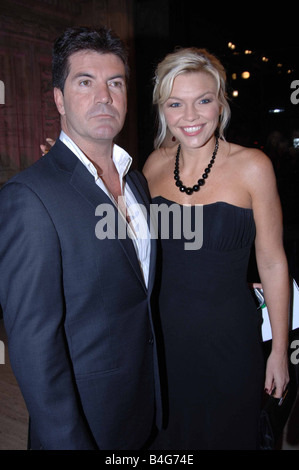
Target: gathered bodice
220, 263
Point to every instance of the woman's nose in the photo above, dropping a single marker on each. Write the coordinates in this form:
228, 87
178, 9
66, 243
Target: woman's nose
191, 113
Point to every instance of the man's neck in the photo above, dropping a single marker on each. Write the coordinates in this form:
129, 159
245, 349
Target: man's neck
100, 154
101, 157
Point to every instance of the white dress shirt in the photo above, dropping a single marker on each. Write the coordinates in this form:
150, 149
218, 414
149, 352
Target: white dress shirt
137, 228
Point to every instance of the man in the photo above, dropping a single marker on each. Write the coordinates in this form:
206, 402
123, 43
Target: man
76, 305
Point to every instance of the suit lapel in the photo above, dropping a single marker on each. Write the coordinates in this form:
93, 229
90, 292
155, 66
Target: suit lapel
83, 182
138, 184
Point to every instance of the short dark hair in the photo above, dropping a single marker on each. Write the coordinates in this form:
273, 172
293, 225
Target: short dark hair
102, 40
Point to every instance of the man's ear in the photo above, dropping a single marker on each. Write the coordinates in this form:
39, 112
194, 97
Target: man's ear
59, 100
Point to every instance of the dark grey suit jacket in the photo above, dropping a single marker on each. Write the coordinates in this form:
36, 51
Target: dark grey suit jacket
76, 310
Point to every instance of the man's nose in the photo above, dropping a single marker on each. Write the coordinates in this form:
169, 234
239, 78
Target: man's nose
103, 95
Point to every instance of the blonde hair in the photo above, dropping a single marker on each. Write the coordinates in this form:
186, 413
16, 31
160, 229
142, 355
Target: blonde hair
181, 61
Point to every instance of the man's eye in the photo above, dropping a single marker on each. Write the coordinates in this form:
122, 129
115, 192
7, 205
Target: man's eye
85, 83
116, 84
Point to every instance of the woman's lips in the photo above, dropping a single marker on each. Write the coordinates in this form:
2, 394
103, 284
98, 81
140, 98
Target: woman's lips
192, 130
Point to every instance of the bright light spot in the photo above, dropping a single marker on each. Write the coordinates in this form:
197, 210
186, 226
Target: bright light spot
276, 110
245, 75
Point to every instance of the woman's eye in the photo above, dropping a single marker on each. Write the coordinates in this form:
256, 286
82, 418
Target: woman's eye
174, 105
205, 101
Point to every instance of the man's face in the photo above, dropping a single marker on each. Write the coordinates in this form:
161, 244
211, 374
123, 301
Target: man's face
93, 104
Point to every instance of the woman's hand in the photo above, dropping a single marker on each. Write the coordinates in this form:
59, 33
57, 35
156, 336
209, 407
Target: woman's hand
277, 374
46, 147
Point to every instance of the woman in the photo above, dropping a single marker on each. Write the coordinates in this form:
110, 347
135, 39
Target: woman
209, 322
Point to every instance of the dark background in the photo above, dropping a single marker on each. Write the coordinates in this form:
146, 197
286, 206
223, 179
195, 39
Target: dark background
162, 25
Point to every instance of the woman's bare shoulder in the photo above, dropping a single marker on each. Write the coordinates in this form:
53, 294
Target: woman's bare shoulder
250, 159
255, 172
157, 161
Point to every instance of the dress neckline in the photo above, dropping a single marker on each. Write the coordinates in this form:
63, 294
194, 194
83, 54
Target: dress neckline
204, 205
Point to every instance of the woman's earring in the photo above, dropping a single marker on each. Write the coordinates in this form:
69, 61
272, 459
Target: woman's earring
173, 139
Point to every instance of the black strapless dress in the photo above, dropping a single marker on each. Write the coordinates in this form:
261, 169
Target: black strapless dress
212, 359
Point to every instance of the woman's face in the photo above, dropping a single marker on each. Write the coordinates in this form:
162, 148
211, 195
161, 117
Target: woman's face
192, 109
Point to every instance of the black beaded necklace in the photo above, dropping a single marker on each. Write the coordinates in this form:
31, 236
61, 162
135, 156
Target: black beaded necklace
201, 181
